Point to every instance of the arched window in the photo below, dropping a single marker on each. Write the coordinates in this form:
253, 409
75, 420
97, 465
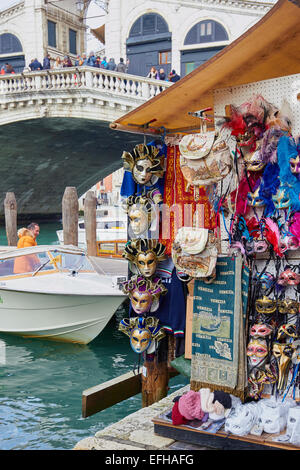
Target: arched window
9, 44
206, 31
150, 23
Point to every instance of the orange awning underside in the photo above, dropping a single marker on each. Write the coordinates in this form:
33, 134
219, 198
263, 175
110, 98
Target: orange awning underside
270, 49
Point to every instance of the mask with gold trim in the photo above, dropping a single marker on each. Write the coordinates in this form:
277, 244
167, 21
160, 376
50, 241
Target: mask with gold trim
143, 333
281, 199
283, 354
144, 293
254, 199
145, 164
257, 352
265, 305
288, 307
261, 330
141, 212
144, 255
287, 331
253, 160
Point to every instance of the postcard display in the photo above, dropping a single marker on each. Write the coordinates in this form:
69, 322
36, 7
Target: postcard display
239, 243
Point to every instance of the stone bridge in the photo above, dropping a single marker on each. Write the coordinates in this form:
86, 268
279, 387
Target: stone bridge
54, 131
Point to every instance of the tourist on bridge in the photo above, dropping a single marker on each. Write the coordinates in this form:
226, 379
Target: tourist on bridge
104, 63
111, 64
153, 73
46, 62
121, 67
35, 65
91, 60
173, 76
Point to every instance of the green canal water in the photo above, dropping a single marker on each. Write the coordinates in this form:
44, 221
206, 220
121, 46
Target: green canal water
41, 382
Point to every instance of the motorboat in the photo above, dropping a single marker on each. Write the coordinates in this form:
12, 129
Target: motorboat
111, 225
58, 292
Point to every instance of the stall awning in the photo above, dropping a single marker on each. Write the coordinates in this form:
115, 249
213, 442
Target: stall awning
99, 33
268, 50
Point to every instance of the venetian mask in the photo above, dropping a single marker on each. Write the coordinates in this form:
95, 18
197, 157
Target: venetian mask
144, 293
288, 277
242, 419
265, 280
289, 243
260, 245
143, 333
265, 305
138, 220
273, 416
293, 425
295, 166
288, 331
254, 200
281, 199
288, 307
257, 351
283, 354
261, 330
258, 379
144, 163
145, 255
253, 160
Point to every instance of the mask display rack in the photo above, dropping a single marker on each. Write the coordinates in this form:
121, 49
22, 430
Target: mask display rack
268, 415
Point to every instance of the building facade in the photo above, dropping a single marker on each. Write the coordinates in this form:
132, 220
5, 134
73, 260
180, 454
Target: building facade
175, 34
30, 29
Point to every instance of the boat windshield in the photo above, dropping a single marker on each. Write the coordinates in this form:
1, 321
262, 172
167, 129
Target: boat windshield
26, 264
71, 261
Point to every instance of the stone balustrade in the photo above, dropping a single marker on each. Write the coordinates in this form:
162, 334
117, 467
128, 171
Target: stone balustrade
79, 89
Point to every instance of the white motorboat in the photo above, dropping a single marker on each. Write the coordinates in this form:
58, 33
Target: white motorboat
58, 292
109, 227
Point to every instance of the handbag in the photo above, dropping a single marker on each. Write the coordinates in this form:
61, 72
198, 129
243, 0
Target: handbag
204, 159
194, 252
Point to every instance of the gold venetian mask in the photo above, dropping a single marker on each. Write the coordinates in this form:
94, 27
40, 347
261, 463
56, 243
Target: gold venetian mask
254, 199
146, 263
140, 339
257, 351
138, 220
145, 255
283, 354
281, 199
265, 305
141, 301
288, 306
144, 162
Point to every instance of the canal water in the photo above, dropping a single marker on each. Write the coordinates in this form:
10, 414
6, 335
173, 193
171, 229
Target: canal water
41, 382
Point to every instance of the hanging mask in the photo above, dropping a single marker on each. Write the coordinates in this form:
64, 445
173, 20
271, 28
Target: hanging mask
261, 330
283, 354
260, 245
144, 163
144, 293
288, 331
144, 255
288, 277
265, 305
281, 199
257, 352
253, 160
141, 212
265, 280
249, 247
143, 333
288, 307
254, 200
295, 166
257, 380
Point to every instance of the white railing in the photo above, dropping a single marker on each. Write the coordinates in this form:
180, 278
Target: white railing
77, 78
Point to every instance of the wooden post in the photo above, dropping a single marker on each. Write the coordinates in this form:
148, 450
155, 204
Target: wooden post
90, 205
10, 211
70, 216
155, 375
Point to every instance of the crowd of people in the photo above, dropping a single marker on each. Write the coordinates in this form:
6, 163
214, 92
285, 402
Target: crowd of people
161, 75
91, 60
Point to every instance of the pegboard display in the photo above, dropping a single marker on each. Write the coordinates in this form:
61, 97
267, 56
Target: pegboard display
282, 92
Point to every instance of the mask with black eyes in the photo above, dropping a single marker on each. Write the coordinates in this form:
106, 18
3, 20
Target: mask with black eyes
145, 255
145, 164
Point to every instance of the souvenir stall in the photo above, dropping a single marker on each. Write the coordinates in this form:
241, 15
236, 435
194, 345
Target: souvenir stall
217, 276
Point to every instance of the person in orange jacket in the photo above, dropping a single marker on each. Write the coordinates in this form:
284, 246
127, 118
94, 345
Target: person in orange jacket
27, 237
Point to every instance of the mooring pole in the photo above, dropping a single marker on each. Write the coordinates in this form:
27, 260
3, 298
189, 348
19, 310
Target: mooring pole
90, 205
155, 375
70, 216
10, 212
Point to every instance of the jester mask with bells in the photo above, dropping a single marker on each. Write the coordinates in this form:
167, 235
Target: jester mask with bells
141, 212
144, 255
144, 163
144, 333
283, 354
144, 293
